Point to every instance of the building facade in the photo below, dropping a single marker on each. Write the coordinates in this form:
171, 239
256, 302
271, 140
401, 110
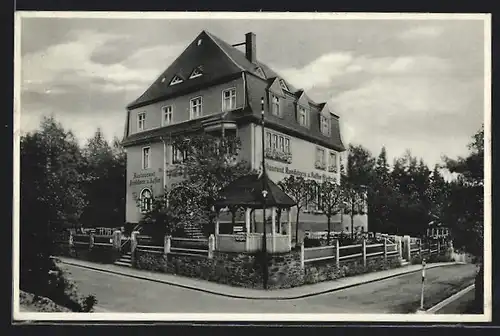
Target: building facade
215, 87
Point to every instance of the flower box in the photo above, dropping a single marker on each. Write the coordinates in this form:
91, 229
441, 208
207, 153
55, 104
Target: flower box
278, 155
319, 165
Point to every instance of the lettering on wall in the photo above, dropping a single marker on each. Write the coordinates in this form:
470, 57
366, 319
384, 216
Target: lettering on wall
296, 172
144, 178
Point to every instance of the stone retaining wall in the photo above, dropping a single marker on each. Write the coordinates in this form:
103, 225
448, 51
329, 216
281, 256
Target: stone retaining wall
327, 270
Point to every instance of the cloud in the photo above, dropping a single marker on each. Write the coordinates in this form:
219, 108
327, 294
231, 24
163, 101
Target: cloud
421, 32
72, 62
431, 116
334, 67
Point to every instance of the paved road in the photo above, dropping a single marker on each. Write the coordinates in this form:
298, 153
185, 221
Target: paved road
116, 293
462, 305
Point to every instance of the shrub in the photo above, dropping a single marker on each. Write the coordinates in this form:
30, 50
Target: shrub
311, 242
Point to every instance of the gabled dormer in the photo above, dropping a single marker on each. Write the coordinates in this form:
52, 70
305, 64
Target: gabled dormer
303, 109
276, 96
176, 80
197, 72
325, 121
283, 85
259, 72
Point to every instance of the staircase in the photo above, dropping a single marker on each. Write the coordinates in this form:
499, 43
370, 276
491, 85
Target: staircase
193, 231
125, 260
404, 262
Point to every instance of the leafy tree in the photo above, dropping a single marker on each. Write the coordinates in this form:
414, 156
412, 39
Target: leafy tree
170, 212
209, 164
104, 189
464, 212
356, 180
360, 166
411, 179
437, 194
330, 197
50, 200
382, 197
300, 190
354, 200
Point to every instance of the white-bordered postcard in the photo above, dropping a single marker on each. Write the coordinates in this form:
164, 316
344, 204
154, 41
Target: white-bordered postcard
209, 166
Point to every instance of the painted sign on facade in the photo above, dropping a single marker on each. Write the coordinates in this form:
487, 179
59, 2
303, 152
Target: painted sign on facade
296, 172
144, 179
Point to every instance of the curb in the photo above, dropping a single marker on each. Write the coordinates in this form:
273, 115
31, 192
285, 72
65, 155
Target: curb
275, 298
449, 300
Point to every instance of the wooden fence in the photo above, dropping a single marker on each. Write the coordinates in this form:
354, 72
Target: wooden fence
340, 253
174, 245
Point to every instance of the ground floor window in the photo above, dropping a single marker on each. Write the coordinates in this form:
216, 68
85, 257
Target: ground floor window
146, 200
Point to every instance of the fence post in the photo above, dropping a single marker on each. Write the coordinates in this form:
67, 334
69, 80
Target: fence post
400, 247
117, 241
438, 248
211, 246
385, 249
133, 245
420, 248
302, 255
407, 254
91, 241
337, 253
70, 242
363, 251
167, 243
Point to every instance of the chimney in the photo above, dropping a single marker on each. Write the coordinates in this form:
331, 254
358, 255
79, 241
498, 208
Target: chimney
250, 47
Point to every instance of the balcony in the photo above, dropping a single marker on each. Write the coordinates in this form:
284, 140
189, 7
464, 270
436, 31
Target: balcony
277, 155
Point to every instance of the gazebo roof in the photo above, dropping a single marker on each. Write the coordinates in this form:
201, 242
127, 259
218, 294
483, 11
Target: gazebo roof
246, 191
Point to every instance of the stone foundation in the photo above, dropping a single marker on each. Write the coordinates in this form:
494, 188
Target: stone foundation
327, 270
236, 269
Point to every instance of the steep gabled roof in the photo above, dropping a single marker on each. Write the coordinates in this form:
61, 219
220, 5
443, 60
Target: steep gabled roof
214, 60
217, 58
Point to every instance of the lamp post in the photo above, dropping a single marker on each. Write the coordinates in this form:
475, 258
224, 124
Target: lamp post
264, 197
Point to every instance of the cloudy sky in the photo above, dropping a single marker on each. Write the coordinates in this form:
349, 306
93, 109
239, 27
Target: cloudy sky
405, 84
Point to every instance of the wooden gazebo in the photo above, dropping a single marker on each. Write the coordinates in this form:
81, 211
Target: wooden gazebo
246, 193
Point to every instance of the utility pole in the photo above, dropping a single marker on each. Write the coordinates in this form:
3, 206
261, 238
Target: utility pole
264, 196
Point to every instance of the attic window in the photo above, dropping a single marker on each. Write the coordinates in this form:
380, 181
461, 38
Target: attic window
199, 42
260, 72
163, 80
196, 73
176, 80
283, 85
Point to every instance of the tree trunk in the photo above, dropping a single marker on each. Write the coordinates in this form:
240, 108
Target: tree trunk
297, 226
352, 221
329, 230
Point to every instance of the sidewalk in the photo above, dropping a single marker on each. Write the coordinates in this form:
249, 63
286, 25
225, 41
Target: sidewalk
247, 293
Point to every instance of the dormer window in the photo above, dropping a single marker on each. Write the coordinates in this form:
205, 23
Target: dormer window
303, 116
260, 72
275, 105
283, 85
325, 125
176, 80
196, 73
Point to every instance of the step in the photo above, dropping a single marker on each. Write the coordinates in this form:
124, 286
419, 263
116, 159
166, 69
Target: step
121, 263
124, 257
